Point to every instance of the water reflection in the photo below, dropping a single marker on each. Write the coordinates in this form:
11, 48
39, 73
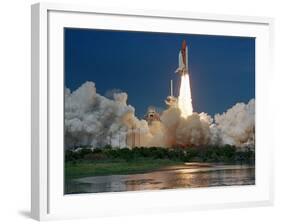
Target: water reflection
184, 176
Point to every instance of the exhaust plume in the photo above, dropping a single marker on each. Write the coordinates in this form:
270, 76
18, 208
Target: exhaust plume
185, 100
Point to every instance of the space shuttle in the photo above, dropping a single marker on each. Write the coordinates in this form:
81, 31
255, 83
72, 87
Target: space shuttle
183, 60
182, 70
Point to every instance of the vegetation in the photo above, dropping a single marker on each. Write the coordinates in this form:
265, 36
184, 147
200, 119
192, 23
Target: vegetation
84, 169
107, 161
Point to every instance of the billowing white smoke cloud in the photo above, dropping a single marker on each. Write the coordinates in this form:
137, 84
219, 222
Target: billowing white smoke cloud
237, 125
91, 119
94, 120
193, 130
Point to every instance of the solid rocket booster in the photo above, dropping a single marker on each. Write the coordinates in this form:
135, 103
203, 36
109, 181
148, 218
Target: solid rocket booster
183, 60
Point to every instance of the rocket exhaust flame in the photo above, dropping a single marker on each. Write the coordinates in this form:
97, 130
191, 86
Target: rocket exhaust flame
185, 100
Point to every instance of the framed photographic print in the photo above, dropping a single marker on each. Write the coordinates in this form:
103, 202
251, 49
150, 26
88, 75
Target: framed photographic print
138, 111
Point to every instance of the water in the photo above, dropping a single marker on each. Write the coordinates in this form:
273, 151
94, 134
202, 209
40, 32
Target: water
188, 175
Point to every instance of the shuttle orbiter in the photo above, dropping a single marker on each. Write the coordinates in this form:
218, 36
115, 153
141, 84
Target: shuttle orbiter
183, 60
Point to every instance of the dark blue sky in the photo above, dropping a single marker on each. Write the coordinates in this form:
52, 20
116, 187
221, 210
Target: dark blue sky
222, 69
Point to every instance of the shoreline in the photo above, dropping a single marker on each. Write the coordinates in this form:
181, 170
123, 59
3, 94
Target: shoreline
141, 167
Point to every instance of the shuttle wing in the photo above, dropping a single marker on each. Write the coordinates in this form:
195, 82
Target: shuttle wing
181, 64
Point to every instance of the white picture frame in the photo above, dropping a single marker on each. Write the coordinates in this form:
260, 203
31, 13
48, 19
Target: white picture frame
48, 201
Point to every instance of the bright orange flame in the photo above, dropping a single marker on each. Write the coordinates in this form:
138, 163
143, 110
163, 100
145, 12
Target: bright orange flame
185, 100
